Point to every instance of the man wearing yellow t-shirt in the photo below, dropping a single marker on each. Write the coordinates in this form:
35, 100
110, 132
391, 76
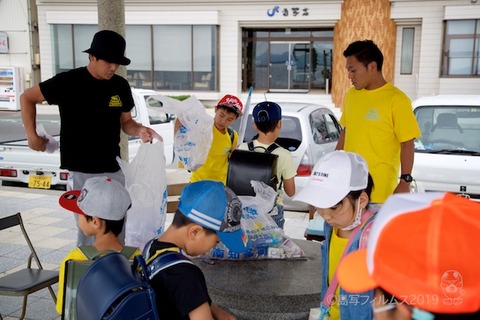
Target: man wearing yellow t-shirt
378, 122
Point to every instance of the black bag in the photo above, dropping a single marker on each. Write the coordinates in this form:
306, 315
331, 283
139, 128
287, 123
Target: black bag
247, 165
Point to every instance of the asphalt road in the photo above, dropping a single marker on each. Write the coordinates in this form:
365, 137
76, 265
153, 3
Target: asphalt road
11, 127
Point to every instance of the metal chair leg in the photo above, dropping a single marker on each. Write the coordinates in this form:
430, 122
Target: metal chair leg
52, 293
24, 307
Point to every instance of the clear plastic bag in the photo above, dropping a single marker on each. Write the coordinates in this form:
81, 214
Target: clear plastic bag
266, 239
194, 138
146, 182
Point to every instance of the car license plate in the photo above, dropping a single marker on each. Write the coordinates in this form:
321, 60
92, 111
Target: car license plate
39, 182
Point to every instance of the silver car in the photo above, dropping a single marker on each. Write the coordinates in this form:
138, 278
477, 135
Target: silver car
309, 131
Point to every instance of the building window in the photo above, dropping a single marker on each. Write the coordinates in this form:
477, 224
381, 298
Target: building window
163, 57
461, 50
68, 43
286, 59
139, 51
406, 61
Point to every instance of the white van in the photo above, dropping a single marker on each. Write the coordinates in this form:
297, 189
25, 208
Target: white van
447, 155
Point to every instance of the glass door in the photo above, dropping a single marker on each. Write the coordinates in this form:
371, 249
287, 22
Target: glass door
289, 66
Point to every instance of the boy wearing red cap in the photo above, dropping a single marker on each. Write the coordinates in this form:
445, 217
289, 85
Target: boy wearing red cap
101, 207
224, 141
422, 258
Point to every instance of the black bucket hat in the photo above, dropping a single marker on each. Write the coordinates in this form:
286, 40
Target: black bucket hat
109, 46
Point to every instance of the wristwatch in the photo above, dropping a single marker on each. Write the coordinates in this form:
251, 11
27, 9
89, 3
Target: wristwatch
407, 177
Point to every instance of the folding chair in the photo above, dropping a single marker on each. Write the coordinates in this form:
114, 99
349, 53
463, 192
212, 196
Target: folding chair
28, 280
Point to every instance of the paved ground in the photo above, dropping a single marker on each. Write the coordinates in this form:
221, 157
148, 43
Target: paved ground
53, 233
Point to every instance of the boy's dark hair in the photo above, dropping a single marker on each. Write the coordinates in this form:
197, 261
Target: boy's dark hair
354, 195
179, 220
111, 225
266, 127
365, 51
228, 109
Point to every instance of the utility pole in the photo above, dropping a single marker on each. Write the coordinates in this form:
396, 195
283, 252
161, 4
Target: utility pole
111, 16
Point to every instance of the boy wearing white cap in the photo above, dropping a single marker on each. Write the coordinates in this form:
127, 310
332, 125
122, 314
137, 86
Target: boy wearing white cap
340, 188
422, 259
208, 212
101, 206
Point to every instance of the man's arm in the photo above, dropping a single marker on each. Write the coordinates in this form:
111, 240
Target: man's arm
28, 103
407, 153
132, 128
341, 140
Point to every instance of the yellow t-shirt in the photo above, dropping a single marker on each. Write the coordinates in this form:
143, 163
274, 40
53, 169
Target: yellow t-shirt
75, 254
377, 121
216, 164
337, 246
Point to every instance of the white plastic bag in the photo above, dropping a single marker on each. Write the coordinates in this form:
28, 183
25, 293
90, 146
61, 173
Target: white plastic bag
146, 182
52, 144
266, 239
194, 138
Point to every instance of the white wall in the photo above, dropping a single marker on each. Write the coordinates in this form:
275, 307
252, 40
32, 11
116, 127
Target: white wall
230, 16
426, 15
432, 14
408, 83
14, 21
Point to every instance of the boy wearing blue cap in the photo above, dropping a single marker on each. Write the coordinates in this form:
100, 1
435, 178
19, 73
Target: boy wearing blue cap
267, 117
208, 213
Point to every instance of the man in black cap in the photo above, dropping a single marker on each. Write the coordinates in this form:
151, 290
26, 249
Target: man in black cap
94, 104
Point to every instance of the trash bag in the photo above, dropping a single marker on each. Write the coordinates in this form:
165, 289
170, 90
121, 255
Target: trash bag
266, 239
193, 140
146, 182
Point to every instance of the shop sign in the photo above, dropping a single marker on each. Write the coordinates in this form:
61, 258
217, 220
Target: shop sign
287, 11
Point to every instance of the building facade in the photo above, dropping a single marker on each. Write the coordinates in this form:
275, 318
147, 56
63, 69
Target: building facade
286, 50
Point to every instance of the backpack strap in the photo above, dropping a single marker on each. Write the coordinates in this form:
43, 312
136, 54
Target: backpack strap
272, 147
129, 252
161, 260
250, 145
91, 253
231, 134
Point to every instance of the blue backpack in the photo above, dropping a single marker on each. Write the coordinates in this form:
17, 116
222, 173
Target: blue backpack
114, 289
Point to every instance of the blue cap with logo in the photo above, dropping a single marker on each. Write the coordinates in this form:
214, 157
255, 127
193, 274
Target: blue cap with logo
216, 207
267, 111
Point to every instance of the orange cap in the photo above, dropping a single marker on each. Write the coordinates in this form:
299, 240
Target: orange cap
424, 249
